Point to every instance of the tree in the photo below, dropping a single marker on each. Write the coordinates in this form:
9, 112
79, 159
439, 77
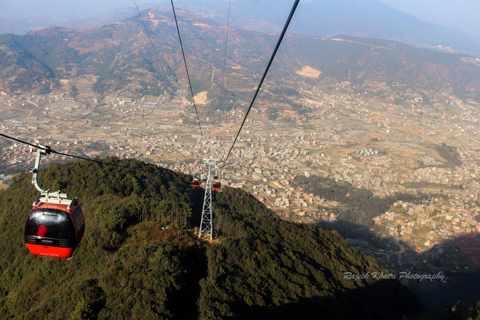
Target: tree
74, 91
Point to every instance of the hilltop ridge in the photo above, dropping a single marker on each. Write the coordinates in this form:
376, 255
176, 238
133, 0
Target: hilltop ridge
139, 259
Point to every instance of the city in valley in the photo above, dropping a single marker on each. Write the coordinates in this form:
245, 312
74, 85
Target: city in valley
385, 139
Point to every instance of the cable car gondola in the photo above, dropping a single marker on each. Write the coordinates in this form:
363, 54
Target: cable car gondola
216, 185
195, 183
55, 225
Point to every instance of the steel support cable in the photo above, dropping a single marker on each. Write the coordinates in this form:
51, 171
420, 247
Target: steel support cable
24, 142
222, 82
150, 38
289, 19
226, 43
48, 149
186, 68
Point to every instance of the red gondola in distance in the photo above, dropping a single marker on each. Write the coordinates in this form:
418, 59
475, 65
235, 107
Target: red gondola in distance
195, 183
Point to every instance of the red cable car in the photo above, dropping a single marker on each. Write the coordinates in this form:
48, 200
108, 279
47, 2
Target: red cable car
54, 229
195, 183
216, 185
55, 225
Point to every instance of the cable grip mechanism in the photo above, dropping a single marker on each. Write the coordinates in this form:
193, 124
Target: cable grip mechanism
45, 195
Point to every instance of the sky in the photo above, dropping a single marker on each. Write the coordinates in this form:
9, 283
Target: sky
460, 14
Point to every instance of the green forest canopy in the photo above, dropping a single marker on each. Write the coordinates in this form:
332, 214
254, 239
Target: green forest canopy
140, 257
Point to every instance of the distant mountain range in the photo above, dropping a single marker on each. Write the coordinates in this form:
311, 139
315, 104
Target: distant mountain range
365, 18
120, 56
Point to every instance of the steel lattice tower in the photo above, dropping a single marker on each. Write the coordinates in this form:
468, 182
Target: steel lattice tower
206, 223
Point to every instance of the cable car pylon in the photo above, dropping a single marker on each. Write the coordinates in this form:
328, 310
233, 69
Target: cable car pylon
206, 223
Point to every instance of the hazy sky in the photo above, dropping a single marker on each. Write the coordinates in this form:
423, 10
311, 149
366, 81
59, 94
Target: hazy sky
460, 14
79, 8
463, 15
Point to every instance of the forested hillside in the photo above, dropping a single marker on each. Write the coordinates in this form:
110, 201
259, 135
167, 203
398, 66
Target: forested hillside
460, 311
140, 257
272, 269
